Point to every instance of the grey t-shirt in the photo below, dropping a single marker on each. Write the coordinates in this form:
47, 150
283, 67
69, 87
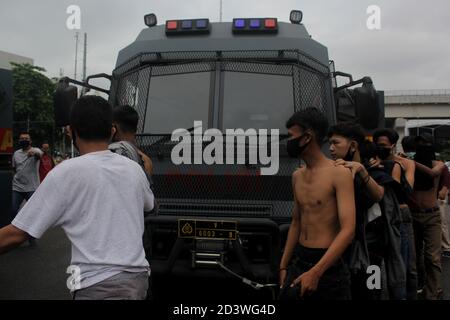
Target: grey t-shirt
98, 200
26, 178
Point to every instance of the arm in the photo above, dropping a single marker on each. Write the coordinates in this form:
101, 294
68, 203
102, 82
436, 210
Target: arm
148, 164
343, 184
433, 172
443, 193
11, 237
36, 153
374, 190
294, 231
13, 164
293, 236
410, 168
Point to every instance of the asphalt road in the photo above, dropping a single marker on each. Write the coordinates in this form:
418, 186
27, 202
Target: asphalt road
40, 272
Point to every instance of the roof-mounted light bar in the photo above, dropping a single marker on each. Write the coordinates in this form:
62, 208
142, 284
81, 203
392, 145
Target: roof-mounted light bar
255, 25
191, 26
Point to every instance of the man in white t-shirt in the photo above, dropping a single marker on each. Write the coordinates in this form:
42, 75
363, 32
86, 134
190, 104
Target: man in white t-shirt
25, 163
98, 199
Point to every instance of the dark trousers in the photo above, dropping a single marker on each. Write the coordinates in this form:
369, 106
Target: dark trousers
408, 251
428, 238
333, 285
17, 199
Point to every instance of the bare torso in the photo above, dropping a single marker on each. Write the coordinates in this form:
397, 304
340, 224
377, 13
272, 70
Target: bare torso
316, 199
427, 199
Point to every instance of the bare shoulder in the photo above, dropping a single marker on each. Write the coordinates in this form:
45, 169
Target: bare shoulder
408, 163
297, 173
341, 174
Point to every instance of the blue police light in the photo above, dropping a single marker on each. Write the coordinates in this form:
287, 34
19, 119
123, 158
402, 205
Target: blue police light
201, 24
255, 23
239, 23
186, 24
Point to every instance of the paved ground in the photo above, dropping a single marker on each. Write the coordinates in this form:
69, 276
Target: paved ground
39, 272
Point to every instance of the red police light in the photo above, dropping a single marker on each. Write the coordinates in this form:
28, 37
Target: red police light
270, 23
171, 25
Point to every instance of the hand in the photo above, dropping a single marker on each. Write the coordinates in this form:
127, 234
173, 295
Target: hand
308, 282
375, 162
442, 194
283, 274
30, 153
355, 167
403, 155
439, 165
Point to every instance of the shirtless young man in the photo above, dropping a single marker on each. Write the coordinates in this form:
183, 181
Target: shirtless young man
323, 218
386, 141
426, 216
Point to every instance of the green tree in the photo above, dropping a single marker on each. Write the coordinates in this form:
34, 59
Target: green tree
33, 102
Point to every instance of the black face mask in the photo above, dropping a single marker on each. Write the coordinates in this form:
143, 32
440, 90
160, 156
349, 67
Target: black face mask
383, 153
349, 156
24, 144
293, 148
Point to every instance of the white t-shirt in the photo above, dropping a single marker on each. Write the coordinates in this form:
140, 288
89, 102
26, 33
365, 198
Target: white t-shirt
26, 178
99, 200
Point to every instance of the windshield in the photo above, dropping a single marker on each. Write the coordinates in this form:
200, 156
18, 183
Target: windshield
176, 101
259, 101
247, 99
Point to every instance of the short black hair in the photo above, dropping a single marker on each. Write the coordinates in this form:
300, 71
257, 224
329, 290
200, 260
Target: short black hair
391, 134
126, 118
310, 118
91, 118
409, 144
349, 130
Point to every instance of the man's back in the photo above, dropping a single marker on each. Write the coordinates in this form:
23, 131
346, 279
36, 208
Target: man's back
98, 199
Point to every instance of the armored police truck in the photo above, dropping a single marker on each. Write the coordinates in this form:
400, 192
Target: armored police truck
6, 145
213, 99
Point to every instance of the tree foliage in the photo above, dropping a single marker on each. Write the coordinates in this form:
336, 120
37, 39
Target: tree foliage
33, 101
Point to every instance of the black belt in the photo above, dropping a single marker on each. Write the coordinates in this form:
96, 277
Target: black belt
431, 210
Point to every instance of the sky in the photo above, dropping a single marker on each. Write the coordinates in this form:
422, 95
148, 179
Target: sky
410, 51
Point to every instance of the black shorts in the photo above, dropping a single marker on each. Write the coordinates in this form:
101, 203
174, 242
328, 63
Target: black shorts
333, 285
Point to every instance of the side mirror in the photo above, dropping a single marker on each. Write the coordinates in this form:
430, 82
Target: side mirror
367, 104
64, 97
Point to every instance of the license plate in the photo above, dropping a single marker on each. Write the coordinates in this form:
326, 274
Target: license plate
207, 229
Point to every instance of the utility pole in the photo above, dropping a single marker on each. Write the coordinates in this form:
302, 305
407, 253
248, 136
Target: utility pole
84, 57
76, 55
220, 19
